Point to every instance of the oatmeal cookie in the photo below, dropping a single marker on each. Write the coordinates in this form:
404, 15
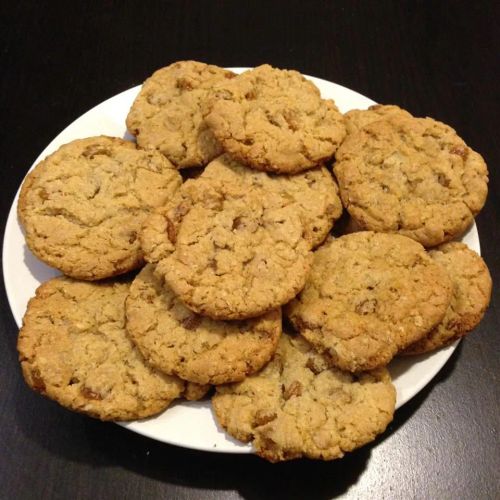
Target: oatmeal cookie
179, 342
412, 176
274, 120
368, 296
299, 407
166, 115
83, 206
471, 295
225, 251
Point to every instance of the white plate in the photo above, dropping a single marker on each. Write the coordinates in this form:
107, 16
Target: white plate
187, 424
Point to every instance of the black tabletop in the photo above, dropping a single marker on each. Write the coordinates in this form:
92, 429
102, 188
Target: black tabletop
439, 59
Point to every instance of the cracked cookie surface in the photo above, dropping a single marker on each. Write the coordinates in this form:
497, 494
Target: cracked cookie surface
413, 176
369, 295
313, 193
83, 206
225, 252
471, 294
179, 342
298, 407
274, 120
356, 119
74, 349
166, 115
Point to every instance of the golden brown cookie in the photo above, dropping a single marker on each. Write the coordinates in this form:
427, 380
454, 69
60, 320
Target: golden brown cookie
313, 193
195, 392
74, 349
179, 342
356, 119
83, 206
226, 251
472, 284
413, 176
274, 120
166, 115
368, 296
298, 407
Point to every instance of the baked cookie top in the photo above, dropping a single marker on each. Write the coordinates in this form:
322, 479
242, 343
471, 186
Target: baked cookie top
82, 207
274, 120
413, 176
298, 407
369, 295
356, 119
73, 348
179, 342
313, 193
166, 114
471, 294
225, 252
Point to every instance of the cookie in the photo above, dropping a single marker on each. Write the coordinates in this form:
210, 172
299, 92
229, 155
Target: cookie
176, 341
274, 120
412, 176
368, 296
471, 295
226, 251
356, 119
313, 193
166, 115
83, 206
74, 349
298, 407
195, 392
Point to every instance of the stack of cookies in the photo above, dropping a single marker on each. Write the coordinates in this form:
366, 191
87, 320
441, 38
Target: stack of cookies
243, 247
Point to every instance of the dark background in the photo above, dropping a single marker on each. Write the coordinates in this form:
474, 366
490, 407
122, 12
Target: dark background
436, 58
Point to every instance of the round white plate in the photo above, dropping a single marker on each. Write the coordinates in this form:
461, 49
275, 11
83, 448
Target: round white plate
187, 424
